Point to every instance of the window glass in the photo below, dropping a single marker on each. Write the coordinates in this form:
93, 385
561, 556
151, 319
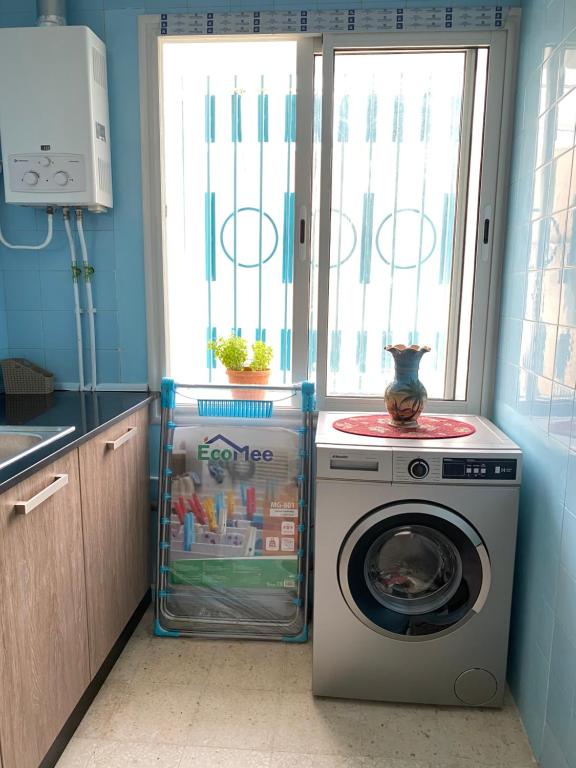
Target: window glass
395, 160
229, 144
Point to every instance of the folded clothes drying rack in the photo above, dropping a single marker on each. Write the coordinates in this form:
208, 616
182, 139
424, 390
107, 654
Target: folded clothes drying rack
234, 511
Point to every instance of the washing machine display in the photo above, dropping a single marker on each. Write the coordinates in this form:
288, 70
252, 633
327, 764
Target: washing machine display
414, 570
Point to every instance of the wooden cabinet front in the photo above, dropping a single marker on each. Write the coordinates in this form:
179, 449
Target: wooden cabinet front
115, 508
44, 666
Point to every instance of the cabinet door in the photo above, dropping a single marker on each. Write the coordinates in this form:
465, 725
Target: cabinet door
116, 518
43, 638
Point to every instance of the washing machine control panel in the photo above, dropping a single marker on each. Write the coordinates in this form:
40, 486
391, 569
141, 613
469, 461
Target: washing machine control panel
479, 469
431, 467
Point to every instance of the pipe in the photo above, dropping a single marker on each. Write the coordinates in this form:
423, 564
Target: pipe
50, 13
47, 239
88, 272
76, 272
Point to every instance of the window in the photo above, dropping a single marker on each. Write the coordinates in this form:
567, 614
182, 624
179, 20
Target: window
329, 196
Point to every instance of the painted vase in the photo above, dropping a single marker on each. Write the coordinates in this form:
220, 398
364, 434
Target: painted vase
405, 396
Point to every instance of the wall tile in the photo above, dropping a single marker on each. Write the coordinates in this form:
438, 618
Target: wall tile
545, 126
560, 182
550, 300
555, 241
34, 354
569, 18
565, 358
571, 484
59, 329
544, 349
566, 607
561, 410
22, 289
64, 365
56, 289
106, 329
93, 18
563, 669
565, 123
552, 754
568, 299
104, 290
25, 329
570, 245
559, 714
533, 294
568, 551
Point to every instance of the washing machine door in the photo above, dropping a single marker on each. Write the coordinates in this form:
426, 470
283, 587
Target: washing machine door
414, 570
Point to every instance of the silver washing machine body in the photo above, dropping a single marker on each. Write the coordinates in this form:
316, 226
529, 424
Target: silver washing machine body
414, 561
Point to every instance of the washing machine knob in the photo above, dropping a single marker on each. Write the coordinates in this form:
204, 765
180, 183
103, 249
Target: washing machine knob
418, 468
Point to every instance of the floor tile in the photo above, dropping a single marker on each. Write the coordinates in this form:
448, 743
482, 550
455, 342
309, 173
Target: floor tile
132, 657
102, 709
402, 733
489, 737
207, 757
297, 669
317, 726
235, 719
111, 754
77, 754
286, 760
144, 628
186, 703
246, 666
182, 661
154, 713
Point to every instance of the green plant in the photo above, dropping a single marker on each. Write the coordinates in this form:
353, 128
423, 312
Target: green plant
262, 355
232, 352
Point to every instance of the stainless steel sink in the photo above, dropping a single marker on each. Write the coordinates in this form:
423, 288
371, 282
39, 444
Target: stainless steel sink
16, 442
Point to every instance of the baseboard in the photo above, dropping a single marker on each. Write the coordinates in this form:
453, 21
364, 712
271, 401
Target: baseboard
61, 741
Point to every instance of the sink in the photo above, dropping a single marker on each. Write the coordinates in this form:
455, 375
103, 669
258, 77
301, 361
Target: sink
16, 442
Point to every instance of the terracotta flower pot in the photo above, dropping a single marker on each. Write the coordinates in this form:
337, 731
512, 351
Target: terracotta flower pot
405, 396
248, 376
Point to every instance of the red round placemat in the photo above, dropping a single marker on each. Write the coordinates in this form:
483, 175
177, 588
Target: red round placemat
429, 427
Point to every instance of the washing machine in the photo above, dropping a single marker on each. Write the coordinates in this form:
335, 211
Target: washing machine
414, 561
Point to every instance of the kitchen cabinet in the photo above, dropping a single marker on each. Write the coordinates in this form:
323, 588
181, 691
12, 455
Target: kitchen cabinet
44, 659
115, 513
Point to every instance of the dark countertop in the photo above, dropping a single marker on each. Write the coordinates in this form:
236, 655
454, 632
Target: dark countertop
89, 412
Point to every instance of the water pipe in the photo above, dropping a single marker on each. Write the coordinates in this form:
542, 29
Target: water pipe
76, 272
88, 272
47, 240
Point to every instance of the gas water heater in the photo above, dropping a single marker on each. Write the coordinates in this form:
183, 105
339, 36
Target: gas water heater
54, 129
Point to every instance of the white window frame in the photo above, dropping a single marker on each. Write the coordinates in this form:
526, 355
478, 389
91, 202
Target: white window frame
502, 45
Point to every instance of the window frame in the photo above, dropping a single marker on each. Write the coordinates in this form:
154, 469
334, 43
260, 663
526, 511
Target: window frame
502, 45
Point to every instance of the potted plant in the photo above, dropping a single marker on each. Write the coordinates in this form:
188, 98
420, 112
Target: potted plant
233, 354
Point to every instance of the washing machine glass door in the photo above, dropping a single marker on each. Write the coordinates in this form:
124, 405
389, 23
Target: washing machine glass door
414, 569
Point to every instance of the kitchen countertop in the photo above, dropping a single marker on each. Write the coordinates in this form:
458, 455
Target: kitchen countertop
89, 412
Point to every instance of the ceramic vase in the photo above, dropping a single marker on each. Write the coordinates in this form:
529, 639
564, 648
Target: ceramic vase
405, 396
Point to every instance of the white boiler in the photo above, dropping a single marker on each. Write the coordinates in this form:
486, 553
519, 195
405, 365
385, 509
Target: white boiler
54, 129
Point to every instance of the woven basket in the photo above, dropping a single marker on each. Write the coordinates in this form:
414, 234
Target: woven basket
21, 377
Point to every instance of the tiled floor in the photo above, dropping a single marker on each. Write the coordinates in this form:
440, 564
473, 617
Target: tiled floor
211, 704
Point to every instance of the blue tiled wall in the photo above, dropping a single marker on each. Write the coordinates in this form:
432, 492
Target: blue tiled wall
37, 320
537, 377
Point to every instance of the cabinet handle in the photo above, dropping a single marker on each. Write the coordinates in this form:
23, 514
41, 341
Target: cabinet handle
113, 445
23, 507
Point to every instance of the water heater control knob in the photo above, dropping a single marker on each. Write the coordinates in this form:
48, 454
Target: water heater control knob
44, 161
61, 178
418, 469
31, 178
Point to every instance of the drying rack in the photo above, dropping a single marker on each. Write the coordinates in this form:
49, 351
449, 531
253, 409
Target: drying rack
234, 511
